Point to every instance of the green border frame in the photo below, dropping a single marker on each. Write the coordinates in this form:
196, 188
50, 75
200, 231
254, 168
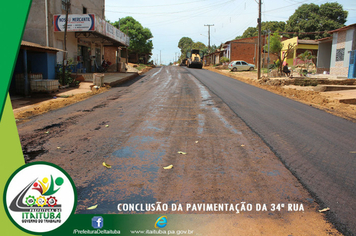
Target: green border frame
16, 30
28, 165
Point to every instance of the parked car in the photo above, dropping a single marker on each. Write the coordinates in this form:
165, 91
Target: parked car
240, 65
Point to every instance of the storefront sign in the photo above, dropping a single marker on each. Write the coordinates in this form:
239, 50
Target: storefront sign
110, 30
100, 25
76, 22
116, 34
89, 23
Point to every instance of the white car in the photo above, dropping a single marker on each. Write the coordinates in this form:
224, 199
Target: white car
240, 65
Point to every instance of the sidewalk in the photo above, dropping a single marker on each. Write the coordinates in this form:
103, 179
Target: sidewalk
111, 79
40, 103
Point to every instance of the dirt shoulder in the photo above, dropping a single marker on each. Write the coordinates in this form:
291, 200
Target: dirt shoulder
322, 100
40, 105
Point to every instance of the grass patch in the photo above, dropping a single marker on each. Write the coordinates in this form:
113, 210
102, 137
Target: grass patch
65, 96
141, 67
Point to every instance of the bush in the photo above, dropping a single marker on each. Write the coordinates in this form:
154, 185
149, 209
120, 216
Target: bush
224, 59
67, 78
272, 66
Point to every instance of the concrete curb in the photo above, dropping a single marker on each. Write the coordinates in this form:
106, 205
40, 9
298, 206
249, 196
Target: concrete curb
121, 81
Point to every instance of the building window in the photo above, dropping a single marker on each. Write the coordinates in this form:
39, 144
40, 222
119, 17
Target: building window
64, 2
85, 10
340, 54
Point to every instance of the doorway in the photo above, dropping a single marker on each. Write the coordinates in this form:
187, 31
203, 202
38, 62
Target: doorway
85, 52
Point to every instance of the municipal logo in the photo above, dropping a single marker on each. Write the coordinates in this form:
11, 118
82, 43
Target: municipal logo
97, 222
39, 197
161, 222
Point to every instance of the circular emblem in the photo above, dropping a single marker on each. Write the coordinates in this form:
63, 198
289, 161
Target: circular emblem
39, 197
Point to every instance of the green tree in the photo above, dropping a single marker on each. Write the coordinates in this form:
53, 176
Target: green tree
250, 32
140, 37
199, 45
312, 18
213, 48
273, 26
185, 44
276, 47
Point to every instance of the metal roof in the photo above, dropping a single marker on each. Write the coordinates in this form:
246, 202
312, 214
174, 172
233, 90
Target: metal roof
38, 46
327, 39
343, 28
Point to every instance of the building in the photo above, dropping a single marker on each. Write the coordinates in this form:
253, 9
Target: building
337, 54
214, 57
89, 37
89, 41
300, 46
246, 49
34, 62
324, 55
343, 46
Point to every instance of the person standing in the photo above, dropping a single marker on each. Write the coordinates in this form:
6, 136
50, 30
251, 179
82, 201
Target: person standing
286, 69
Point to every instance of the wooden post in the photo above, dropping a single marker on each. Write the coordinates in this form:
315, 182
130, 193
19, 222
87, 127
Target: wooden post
65, 45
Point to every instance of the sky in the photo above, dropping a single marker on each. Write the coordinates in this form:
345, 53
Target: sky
169, 21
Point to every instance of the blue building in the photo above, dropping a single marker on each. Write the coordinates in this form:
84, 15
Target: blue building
33, 62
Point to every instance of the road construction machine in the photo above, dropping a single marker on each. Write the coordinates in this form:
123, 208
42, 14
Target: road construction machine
195, 59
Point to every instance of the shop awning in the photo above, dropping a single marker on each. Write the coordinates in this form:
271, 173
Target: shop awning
37, 47
93, 27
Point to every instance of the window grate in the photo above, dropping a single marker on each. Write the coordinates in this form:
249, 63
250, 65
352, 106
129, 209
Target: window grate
340, 53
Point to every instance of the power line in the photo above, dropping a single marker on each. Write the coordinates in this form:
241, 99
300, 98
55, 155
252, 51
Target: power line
167, 5
291, 5
212, 6
317, 32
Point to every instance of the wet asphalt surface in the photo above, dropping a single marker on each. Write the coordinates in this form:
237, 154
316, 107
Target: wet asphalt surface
139, 128
317, 147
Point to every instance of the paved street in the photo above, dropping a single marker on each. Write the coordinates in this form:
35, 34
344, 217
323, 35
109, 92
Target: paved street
317, 147
140, 127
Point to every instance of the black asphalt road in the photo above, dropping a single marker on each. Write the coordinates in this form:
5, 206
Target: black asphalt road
317, 147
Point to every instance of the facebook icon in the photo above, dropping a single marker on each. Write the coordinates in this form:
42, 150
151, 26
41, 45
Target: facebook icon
97, 222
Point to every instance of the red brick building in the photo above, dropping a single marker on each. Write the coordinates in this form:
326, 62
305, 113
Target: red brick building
246, 50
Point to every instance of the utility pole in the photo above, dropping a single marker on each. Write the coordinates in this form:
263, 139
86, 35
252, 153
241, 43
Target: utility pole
269, 34
160, 58
127, 49
259, 41
209, 36
65, 44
